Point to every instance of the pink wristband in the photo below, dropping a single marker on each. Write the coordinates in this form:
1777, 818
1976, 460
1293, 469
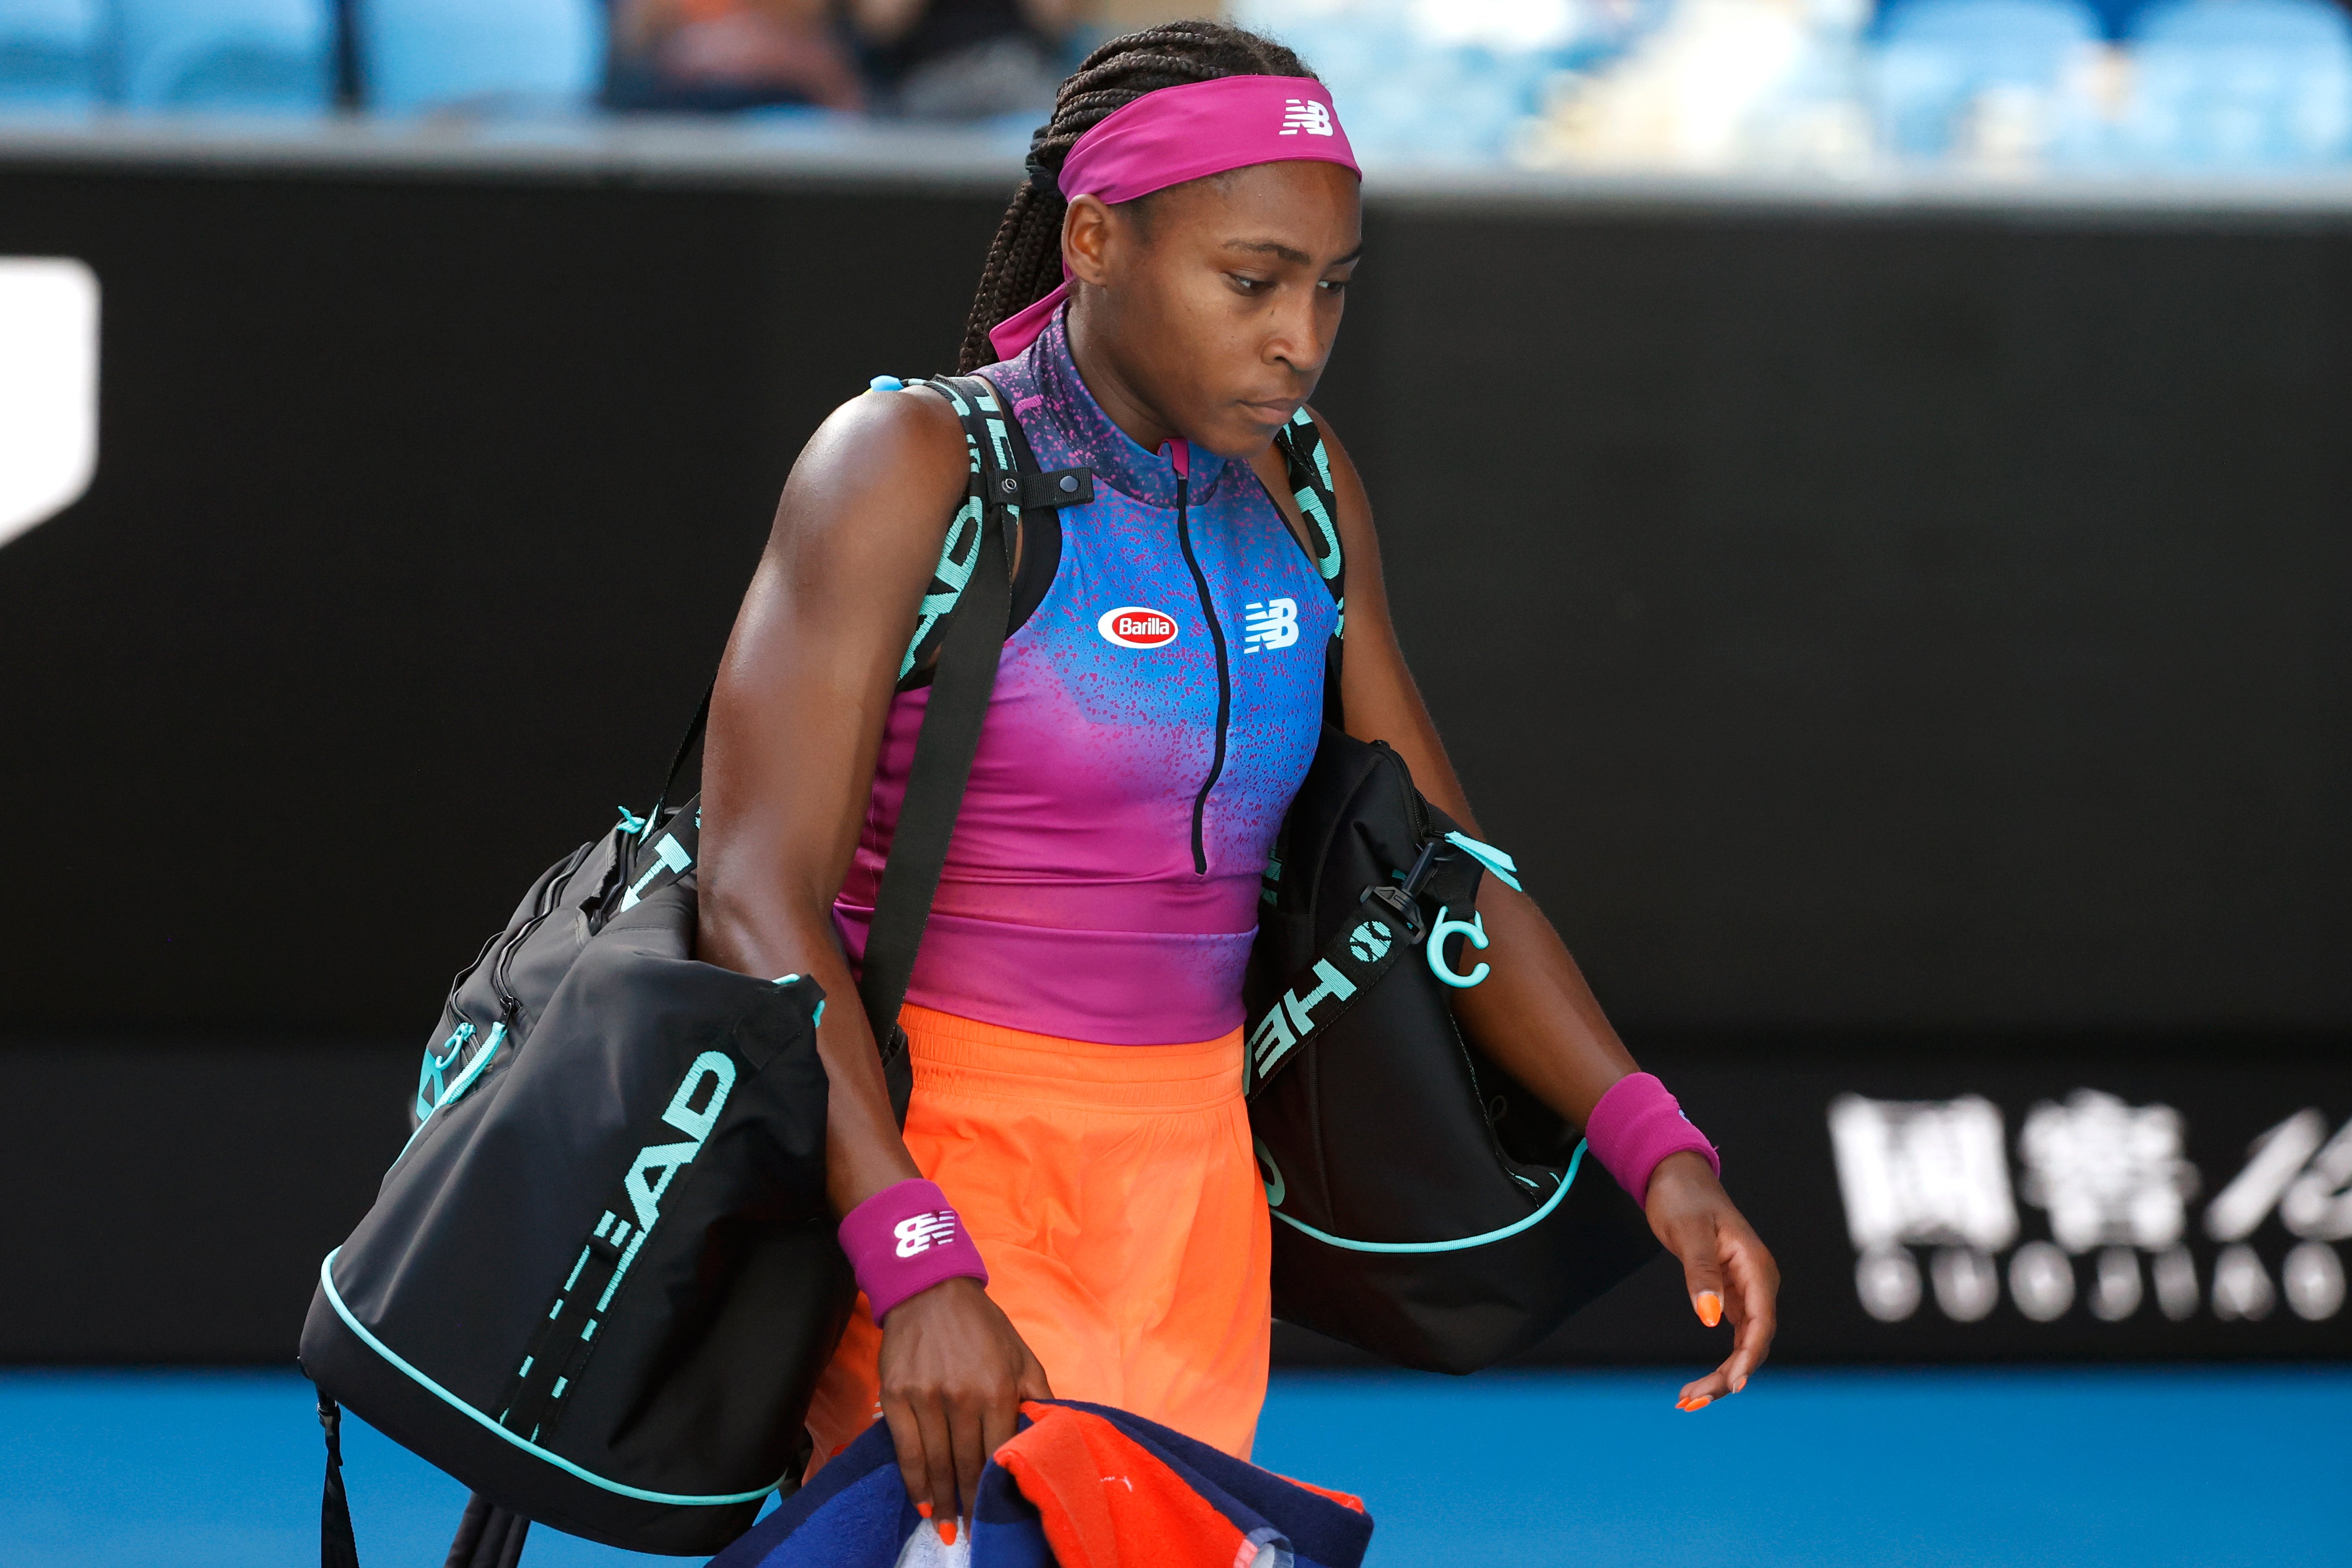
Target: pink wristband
1637, 1124
906, 1238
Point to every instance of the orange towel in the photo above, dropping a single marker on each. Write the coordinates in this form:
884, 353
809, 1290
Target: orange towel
1107, 1502
1113, 1194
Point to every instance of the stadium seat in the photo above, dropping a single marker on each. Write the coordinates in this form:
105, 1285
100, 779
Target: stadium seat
481, 54
2241, 84
48, 54
1985, 80
248, 56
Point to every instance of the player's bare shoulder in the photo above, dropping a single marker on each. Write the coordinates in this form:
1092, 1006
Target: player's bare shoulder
874, 487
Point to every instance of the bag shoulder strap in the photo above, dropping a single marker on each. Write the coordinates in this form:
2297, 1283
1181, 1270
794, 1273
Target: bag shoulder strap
976, 612
1308, 466
1036, 536
965, 615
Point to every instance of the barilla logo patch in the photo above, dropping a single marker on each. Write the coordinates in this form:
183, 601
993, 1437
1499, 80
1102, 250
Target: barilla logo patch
1137, 625
1305, 114
919, 1232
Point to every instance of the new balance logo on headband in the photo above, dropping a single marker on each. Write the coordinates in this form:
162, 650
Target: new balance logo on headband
1305, 114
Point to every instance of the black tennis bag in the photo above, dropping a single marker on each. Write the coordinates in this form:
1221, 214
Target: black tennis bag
598, 1284
600, 1281
1427, 1207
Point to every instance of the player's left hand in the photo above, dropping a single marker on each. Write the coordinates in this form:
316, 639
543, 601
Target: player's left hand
1730, 1273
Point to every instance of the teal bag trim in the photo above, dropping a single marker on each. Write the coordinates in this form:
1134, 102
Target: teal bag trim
1473, 932
435, 1065
1504, 869
1505, 1234
335, 1300
457, 1090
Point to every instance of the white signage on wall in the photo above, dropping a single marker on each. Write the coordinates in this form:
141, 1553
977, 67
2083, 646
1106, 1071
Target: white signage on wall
48, 388
1925, 1173
2115, 1183
2297, 1171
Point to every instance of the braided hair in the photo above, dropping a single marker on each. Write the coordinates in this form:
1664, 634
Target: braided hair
1024, 262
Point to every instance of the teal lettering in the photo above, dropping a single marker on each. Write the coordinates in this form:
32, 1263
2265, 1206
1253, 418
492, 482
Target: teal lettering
667, 1158
1335, 985
696, 1124
1271, 1038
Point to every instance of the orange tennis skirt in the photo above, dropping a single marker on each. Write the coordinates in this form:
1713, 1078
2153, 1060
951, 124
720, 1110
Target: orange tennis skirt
1114, 1195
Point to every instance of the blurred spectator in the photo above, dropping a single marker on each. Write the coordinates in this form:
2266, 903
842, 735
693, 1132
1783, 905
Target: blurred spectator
718, 54
963, 59
2239, 84
1714, 85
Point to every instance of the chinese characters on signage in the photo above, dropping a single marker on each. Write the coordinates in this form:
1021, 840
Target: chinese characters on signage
1932, 1180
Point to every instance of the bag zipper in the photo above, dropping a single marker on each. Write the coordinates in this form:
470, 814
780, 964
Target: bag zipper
502, 970
1225, 674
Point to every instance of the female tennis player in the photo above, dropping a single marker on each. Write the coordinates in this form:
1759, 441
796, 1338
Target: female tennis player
1074, 1209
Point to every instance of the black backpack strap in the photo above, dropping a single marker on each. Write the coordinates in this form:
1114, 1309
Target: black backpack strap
685, 749
1353, 961
488, 1536
965, 615
994, 434
336, 1547
1308, 466
970, 648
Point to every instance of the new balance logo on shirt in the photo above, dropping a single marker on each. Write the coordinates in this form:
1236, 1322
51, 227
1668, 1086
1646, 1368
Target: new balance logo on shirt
1305, 114
1273, 623
919, 1232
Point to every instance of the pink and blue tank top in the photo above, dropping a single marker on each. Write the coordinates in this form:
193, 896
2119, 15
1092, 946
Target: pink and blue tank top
1151, 720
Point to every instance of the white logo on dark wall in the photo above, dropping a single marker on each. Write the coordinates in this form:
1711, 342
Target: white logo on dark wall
1923, 1173
1137, 625
1305, 114
48, 388
1270, 623
2305, 1177
2115, 1184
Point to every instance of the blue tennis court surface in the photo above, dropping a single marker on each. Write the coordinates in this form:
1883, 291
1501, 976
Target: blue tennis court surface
1855, 1469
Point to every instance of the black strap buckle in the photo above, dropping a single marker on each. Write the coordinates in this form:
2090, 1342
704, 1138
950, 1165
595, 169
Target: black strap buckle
1403, 906
1054, 488
1403, 899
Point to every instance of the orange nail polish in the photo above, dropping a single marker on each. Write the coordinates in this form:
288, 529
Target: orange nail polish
924, 1509
1710, 1308
1700, 1402
946, 1532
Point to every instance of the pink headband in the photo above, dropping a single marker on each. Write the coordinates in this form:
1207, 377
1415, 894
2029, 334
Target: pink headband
1189, 132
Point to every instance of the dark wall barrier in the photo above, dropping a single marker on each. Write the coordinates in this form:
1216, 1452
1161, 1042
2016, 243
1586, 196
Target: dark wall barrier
2050, 1205
420, 515
1858, 624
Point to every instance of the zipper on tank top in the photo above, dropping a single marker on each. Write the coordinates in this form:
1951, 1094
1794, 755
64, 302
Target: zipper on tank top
1224, 675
